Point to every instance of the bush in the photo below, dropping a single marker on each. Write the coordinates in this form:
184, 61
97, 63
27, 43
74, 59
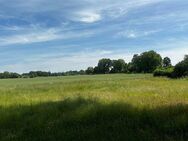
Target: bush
90, 70
164, 72
181, 69
6, 75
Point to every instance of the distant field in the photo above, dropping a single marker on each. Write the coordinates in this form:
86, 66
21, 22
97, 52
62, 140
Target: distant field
94, 108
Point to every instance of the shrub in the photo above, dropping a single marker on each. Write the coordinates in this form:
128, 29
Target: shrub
90, 70
181, 69
6, 75
164, 72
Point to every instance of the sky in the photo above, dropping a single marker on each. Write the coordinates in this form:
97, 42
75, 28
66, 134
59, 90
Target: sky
62, 35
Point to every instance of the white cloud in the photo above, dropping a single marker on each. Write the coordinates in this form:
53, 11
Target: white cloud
43, 35
29, 38
173, 48
131, 34
176, 54
125, 34
70, 9
87, 17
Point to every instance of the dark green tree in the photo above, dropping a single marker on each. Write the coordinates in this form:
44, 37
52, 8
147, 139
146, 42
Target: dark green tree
82, 72
181, 69
90, 70
96, 70
119, 66
135, 65
167, 62
104, 66
146, 62
6, 75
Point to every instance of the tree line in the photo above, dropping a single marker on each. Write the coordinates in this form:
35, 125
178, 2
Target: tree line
146, 62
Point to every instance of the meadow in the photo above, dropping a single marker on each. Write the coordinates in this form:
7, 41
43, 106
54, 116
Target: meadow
127, 107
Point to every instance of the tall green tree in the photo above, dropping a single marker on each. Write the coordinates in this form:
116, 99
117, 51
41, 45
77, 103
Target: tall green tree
119, 66
104, 65
167, 62
135, 65
90, 70
181, 69
146, 62
96, 70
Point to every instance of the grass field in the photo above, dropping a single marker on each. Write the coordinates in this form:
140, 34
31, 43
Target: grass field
94, 108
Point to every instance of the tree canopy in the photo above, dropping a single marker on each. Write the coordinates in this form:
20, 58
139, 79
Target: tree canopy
104, 65
167, 62
119, 66
146, 62
181, 69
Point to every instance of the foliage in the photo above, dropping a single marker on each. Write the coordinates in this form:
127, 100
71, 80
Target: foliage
118, 66
167, 62
164, 72
181, 69
104, 66
6, 75
90, 70
96, 70
34, 74
146, 62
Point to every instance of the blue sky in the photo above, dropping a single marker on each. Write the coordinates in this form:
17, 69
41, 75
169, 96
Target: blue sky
63, 35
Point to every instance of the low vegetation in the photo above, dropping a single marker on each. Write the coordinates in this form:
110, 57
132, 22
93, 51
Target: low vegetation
132, 107
167, 71
180, 70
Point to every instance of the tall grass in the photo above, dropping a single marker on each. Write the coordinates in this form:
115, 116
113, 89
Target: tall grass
102, 107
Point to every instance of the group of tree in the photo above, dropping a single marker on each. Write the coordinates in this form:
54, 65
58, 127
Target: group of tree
181, 69
6, 74
33, 74
177, 71
146, 62
106, 66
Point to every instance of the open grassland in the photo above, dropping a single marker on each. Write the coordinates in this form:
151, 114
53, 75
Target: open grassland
94, 108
